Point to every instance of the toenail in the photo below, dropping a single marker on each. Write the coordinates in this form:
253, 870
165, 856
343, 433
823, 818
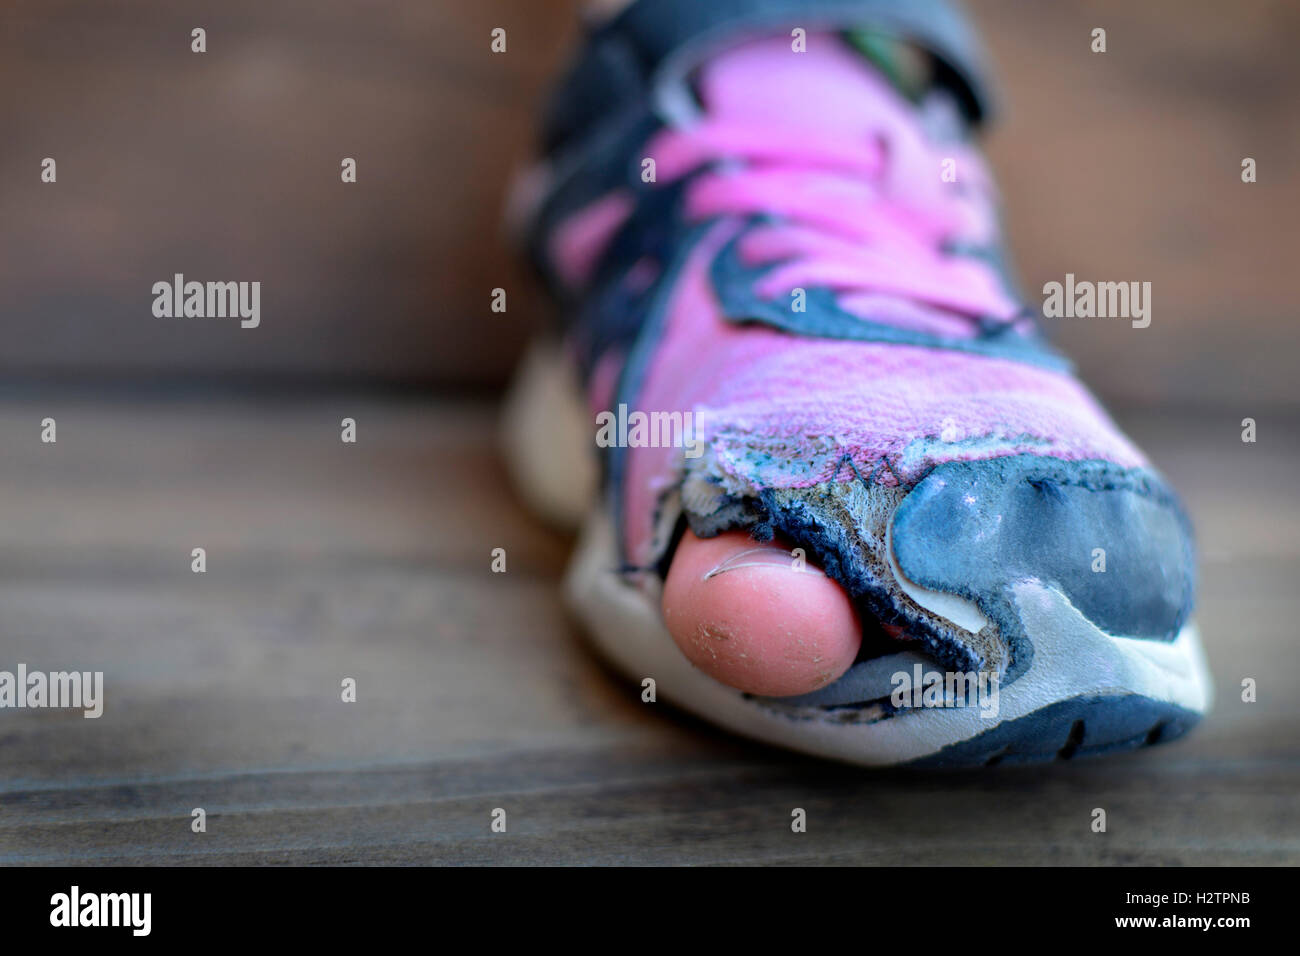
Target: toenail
761, 558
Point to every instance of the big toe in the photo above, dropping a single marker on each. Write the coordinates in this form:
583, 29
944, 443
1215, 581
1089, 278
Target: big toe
756, 617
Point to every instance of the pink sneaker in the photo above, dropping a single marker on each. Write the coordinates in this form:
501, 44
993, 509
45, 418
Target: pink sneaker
779, 260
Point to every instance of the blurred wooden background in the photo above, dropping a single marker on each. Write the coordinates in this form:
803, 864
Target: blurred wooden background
225, 165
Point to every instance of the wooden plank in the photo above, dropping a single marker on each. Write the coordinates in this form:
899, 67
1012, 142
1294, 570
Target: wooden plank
372, 561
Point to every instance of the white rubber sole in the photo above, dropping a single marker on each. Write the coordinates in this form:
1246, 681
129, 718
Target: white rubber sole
1119, 685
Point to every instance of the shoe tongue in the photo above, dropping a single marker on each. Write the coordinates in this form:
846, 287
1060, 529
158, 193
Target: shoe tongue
837, 82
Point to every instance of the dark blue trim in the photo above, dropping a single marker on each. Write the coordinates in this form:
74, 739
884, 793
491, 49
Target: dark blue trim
1078, 727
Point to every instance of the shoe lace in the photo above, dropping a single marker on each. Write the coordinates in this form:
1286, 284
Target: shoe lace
871, 220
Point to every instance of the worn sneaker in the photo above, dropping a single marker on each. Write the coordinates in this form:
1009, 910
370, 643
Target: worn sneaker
849, 501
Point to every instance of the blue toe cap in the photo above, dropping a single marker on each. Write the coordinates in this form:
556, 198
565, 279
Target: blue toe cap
1115, 541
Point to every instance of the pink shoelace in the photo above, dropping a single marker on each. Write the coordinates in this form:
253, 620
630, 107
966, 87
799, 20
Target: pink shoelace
869, 220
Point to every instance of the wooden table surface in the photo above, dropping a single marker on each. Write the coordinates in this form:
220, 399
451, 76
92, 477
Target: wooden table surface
372, 561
